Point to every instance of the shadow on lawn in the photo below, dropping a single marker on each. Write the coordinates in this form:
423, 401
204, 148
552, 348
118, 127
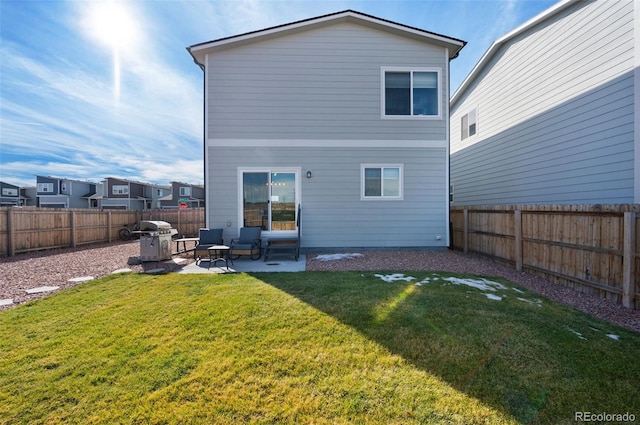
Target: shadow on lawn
492, 352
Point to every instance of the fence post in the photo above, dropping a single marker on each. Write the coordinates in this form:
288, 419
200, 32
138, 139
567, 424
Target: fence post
73, 229
11, 238
109, 226
466, 230
629, 259
518, 240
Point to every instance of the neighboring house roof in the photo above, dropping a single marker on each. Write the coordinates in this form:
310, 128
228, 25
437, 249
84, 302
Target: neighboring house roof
66, 179
187, 184
497, 45
161, 186
198, 51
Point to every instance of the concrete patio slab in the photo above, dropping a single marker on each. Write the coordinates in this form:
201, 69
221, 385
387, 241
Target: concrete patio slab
155, 271
246, 265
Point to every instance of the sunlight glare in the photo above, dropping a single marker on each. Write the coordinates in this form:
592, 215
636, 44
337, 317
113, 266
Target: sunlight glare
112, 23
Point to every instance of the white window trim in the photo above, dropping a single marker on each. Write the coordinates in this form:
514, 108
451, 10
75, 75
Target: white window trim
385, 69
242, 170
474, 109
185, 191
9, 191
381, 197
42, 186
123, 189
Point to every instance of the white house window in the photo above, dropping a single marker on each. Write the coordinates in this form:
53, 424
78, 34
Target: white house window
120, 189
45, 187
185, 191
411, 93
7, 191
268, 199
381, 181
468, 124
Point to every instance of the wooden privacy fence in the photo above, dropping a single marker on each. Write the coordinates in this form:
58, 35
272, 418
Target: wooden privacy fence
32, 229
592, 248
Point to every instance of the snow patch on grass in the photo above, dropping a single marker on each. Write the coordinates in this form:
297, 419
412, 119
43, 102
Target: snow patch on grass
394, 277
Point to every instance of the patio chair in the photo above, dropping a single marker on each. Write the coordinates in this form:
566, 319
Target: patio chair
248, 243
208, 238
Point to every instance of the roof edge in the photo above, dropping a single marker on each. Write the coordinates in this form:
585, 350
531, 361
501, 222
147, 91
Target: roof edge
496, 45
349, 13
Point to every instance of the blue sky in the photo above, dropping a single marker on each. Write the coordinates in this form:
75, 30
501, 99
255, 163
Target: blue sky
84, 98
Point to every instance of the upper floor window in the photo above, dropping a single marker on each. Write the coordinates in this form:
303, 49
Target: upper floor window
8, 191
381, 181
411, 92
120, 189
45, 187
468, 124
185, 191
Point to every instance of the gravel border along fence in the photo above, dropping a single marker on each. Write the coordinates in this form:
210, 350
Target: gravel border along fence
56, 267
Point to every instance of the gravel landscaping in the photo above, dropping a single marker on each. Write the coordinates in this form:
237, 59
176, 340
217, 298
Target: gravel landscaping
65, 268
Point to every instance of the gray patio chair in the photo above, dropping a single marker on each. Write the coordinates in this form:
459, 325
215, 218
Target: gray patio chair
208, 238
248, 243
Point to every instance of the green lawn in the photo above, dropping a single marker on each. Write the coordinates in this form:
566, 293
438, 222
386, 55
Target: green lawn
312, 347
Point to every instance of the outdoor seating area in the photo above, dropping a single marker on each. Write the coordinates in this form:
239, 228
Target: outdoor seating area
209, 250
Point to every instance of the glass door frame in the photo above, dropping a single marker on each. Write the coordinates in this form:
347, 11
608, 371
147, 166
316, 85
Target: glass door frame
297, 171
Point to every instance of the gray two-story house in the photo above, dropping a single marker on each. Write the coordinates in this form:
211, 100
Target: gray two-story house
345, 114
131, 195
9, 195
56, 192
184, 195
551, 113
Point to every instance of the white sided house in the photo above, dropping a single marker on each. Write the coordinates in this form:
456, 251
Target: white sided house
346, 115
551, 113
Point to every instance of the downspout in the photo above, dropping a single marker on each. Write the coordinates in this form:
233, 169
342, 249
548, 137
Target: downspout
204, 147
448, 135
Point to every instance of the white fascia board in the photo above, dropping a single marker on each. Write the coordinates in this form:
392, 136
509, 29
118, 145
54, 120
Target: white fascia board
504, 39
198, 49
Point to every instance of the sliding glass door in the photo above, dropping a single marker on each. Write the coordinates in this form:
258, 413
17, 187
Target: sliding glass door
269, 199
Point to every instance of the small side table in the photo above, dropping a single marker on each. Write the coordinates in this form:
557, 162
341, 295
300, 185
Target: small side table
218, 253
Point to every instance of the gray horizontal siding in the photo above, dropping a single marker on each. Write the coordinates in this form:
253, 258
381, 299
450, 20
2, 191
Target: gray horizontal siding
555, 114
333, 214
578, 152
318, 84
